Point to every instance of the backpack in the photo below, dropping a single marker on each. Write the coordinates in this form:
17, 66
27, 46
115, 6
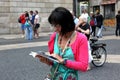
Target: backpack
92, 22
19, 20
27, 24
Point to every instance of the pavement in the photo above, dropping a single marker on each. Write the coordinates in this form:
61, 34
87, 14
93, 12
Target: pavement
109, 31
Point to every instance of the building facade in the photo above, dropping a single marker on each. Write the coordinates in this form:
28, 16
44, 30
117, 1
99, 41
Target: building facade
108, 8
10, 10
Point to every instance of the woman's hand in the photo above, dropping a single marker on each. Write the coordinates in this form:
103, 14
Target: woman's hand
44, 60
59, 58
79, 29
82, 30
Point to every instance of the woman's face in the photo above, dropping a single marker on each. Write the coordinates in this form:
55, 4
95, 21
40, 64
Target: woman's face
81, 20
57, 28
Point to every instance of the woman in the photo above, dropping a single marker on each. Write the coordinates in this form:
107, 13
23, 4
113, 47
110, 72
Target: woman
68, 46
28, 28
84, 27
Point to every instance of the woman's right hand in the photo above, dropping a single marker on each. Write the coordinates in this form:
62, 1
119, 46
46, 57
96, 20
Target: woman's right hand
59, 58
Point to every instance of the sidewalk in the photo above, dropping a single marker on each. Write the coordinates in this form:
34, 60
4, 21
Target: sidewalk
16, 36
109, 31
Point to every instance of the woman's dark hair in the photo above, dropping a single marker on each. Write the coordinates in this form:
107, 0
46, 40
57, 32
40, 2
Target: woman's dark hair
36, 11
64, 18
26, 14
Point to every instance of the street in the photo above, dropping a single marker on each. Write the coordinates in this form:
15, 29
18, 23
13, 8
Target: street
17, 64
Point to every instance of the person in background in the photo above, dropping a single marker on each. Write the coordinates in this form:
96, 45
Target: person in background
67, 45
36, 24
117, 24
99, 19
84, 27
76, 20
32, 17
85, 15
22, 22
93, 23
28, 28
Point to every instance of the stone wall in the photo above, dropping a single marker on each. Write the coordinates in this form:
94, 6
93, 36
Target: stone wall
117, 7
95, 2
11, 9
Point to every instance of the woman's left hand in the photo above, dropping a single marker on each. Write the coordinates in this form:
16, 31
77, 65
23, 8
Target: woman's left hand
59, 58
44, 60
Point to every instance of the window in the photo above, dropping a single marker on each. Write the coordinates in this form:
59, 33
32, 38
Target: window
109, 11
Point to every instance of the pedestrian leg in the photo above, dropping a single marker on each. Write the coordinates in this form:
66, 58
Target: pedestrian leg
99, 34
116, 31
26, 33
94, 31
31, 33
23, 30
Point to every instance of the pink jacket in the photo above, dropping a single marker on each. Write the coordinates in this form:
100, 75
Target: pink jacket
80, 51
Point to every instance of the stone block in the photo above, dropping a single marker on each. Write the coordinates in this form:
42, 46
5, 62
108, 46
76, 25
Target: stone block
4, 3
4, 9
4, 14
15, 0
4, 19
45, 29
49, 5
45, 19
4, 0
15, 30
39, 5
4, 30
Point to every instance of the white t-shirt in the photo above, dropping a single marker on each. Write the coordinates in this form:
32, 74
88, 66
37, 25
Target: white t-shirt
37, 19
85, 15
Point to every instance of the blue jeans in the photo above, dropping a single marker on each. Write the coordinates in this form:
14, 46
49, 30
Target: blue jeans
29, 33
99, 34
